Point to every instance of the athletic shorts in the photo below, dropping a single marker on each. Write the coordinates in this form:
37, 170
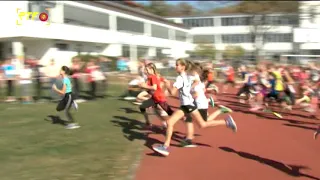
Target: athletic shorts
151, 103
264, 91
187, 109
203, 113
66, 102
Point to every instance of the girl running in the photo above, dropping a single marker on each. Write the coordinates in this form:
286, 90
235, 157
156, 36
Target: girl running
263, 85
183, 85
230, 79
244, 91
201, 102
68, 101
153, 86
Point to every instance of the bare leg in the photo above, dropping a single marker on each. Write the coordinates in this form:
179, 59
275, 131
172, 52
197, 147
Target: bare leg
176, 116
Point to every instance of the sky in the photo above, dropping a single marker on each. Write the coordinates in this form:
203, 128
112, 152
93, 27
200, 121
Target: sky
209, 4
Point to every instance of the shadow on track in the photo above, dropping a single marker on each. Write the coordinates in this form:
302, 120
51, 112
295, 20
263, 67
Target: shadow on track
291, 170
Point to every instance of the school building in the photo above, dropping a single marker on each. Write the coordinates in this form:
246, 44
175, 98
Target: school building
280, 34
95, 27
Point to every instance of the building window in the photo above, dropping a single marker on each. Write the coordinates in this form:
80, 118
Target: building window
62, 46
129, 25
235, 21
203, 22
237, 38
282, 20
87, 18
38, 7
159, 32
273, 38
206, 39
125, 51
142, 51
181, 36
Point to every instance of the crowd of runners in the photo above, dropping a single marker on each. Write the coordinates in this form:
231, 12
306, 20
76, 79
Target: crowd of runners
262, 87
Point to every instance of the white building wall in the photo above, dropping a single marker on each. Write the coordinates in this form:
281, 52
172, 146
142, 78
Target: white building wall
308, 34
41, 37
56, 14
217, 30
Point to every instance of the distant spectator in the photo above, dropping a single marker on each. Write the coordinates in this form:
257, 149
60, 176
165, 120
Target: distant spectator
26, 84
10, 77
37, 75
90, 69
75, 68
52, 72
122, 64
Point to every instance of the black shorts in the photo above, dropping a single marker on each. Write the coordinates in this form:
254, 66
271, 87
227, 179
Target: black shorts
151, 103
188, 108
10, 88
66, 102
203, 113
209, 83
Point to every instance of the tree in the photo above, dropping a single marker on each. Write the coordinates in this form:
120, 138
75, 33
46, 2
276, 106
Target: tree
204, 51
185, 9
160, 8
257, 20
233, 52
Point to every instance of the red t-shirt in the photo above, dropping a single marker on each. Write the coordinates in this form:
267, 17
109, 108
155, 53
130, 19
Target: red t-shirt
89, 71
230, 74
157, 95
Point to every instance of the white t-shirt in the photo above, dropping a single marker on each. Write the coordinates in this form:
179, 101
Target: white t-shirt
201, 99
25, 75
183, 84
195, 77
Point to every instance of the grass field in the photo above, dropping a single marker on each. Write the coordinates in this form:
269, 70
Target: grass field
35, 149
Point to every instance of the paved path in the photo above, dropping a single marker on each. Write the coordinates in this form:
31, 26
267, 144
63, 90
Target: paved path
263, 149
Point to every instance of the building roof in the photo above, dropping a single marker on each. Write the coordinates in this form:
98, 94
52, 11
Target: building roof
219, 15
132, 11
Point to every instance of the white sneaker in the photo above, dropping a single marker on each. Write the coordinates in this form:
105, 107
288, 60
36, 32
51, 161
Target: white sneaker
128, 98
72, 126
79, 100
137, 103
75, 105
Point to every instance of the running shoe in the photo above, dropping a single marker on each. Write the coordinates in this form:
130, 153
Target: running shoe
305, 104
256, 108
215, 88
309, 109
277, 114
72, 126
75, 105
224, 109
164, 124
128, 98
211, 101
137, 103
187, 143
231, 124
161, 149
315, 134
289, 108
253, 91
242, 101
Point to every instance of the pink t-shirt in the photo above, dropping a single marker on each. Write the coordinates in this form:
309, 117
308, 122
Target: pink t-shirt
76, 71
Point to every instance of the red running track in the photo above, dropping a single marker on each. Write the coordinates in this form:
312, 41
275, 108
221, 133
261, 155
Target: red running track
264, 148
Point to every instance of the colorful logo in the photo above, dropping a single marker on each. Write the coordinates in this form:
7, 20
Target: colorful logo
25, 15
